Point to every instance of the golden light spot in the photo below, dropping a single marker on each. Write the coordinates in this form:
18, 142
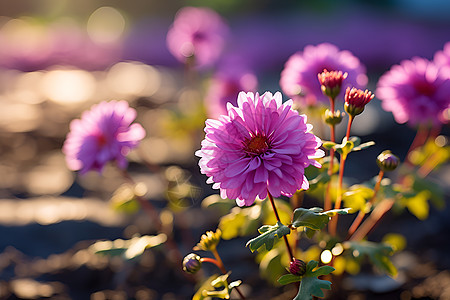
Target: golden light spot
106, 25
326, 256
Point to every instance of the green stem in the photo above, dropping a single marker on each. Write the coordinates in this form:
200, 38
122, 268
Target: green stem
291, 254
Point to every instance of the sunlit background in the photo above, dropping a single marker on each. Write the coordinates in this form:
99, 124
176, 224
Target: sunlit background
59, 57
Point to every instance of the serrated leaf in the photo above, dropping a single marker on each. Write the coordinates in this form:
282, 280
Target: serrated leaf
314, 218
267, 237
312, 286
377, 253
323, 270
289, 278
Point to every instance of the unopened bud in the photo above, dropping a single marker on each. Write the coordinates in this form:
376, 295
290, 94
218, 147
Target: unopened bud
332, 118
331, 82
387, 161
192, 263
297, 267
356, 100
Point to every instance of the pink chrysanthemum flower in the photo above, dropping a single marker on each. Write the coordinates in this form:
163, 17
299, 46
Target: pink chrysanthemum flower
261, 146
416, 91
224, 88
197, 32
103, 134
299, 76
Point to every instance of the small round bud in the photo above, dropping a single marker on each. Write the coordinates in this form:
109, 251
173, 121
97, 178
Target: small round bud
387, 161
209, 241
356, 100
332, 118
297, 267
192, 263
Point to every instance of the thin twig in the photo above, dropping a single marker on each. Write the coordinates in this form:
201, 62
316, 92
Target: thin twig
291, 254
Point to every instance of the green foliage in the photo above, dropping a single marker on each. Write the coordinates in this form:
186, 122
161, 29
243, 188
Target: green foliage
216, 202
124, 199
267, 236
128, 249
434, 151
377, 253
240, 222
347, 146
417, 204
315, 218
271, 263
356, 198
395, 240
436, 195
310, 284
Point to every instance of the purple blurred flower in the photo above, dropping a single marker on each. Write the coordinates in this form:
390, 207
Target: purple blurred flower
225, 87
416, 91
103, 134
442, 59
299, 76
261, 145
198, 32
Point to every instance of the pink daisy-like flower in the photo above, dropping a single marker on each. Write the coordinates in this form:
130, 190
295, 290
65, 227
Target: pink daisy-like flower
224, 88
197, 32
416, 91
299, 76
356, 99
103, 134
261, 146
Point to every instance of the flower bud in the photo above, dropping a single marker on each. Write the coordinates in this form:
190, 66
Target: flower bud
192, 263
387, 161
331, 82
209, 241
356, 100
297, 267
332, 118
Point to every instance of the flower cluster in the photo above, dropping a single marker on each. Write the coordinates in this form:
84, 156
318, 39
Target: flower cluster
261, 146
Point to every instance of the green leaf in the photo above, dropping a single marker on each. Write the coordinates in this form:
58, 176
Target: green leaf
314, 218
437, 195
267, 237
377, 253
363, 146
312, 286
289, 278
240, 222
322, 178
345, 148
328, 145
418, 204
357, 196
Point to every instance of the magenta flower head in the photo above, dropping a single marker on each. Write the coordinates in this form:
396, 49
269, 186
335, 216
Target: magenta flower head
416, 91
261, 146
225, 87
197, 32
299, 76
356, 100
103, 134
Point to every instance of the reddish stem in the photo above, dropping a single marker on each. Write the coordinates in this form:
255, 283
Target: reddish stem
361, 214
218, 262
291, 254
